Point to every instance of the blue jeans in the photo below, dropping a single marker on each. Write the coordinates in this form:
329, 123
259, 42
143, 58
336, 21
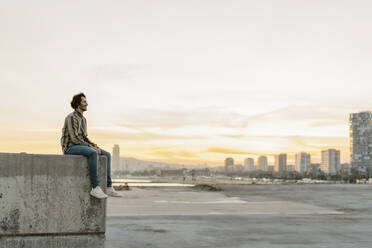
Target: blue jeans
93, 162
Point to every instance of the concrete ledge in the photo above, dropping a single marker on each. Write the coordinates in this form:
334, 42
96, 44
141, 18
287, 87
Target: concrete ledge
49, 195
54, 241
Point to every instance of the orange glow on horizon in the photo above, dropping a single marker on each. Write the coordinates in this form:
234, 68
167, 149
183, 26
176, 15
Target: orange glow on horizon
212, 155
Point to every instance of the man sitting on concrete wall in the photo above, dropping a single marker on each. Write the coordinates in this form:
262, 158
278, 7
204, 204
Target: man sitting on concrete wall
75, 141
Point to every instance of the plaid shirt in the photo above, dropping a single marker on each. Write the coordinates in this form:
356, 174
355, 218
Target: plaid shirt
74, 131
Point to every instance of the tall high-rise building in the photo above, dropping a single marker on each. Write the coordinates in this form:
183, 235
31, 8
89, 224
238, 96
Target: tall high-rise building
249, 164
315, 167
229, 164
331, 161
303, 161
361, 140
229, 161
281, 162
262, 163
115, 161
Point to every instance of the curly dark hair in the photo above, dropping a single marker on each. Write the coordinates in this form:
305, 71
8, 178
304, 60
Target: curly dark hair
76, 100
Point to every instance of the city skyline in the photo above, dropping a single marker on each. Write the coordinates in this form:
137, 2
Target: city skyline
330, 162
186, 82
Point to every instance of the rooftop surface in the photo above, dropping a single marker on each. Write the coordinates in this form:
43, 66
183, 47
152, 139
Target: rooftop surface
282, 216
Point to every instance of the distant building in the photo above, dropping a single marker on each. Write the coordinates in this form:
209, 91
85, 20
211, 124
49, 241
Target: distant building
291, 167
281, 162
115, 161
262, 163
346, 168
315, 166
303, 162
361, 140
249, 164
229, 161
217, 169
331, 161
202, 172
174, 172
229, 165
271, 168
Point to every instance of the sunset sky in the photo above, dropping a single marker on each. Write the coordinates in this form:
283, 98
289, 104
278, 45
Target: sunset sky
186, 81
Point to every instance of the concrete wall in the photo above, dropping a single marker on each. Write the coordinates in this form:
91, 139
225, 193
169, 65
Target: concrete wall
54, 241
49, 195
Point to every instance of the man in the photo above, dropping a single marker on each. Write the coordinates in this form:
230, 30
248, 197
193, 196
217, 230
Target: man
75, 141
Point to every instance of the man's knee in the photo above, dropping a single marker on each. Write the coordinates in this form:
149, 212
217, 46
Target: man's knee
93, 153
104, 153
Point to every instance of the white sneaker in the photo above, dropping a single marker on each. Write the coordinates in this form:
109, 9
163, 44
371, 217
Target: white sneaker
112, 192
98, 193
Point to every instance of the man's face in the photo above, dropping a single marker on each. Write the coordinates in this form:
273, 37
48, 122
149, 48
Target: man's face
83, 104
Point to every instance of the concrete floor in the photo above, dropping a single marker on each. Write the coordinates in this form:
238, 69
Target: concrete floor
282, 216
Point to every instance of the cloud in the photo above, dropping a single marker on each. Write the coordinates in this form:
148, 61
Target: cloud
123, 73
309, 114
231, 151
138, 137
180, 154
319, 143
290, 118
293, 144
177, 117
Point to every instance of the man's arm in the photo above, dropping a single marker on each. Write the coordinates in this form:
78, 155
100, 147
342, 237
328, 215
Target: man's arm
72, 128
93, 145
85, 134
89, 141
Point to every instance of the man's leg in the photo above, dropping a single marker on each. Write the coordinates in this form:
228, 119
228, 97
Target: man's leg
92, 159
110, 190
108, 156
